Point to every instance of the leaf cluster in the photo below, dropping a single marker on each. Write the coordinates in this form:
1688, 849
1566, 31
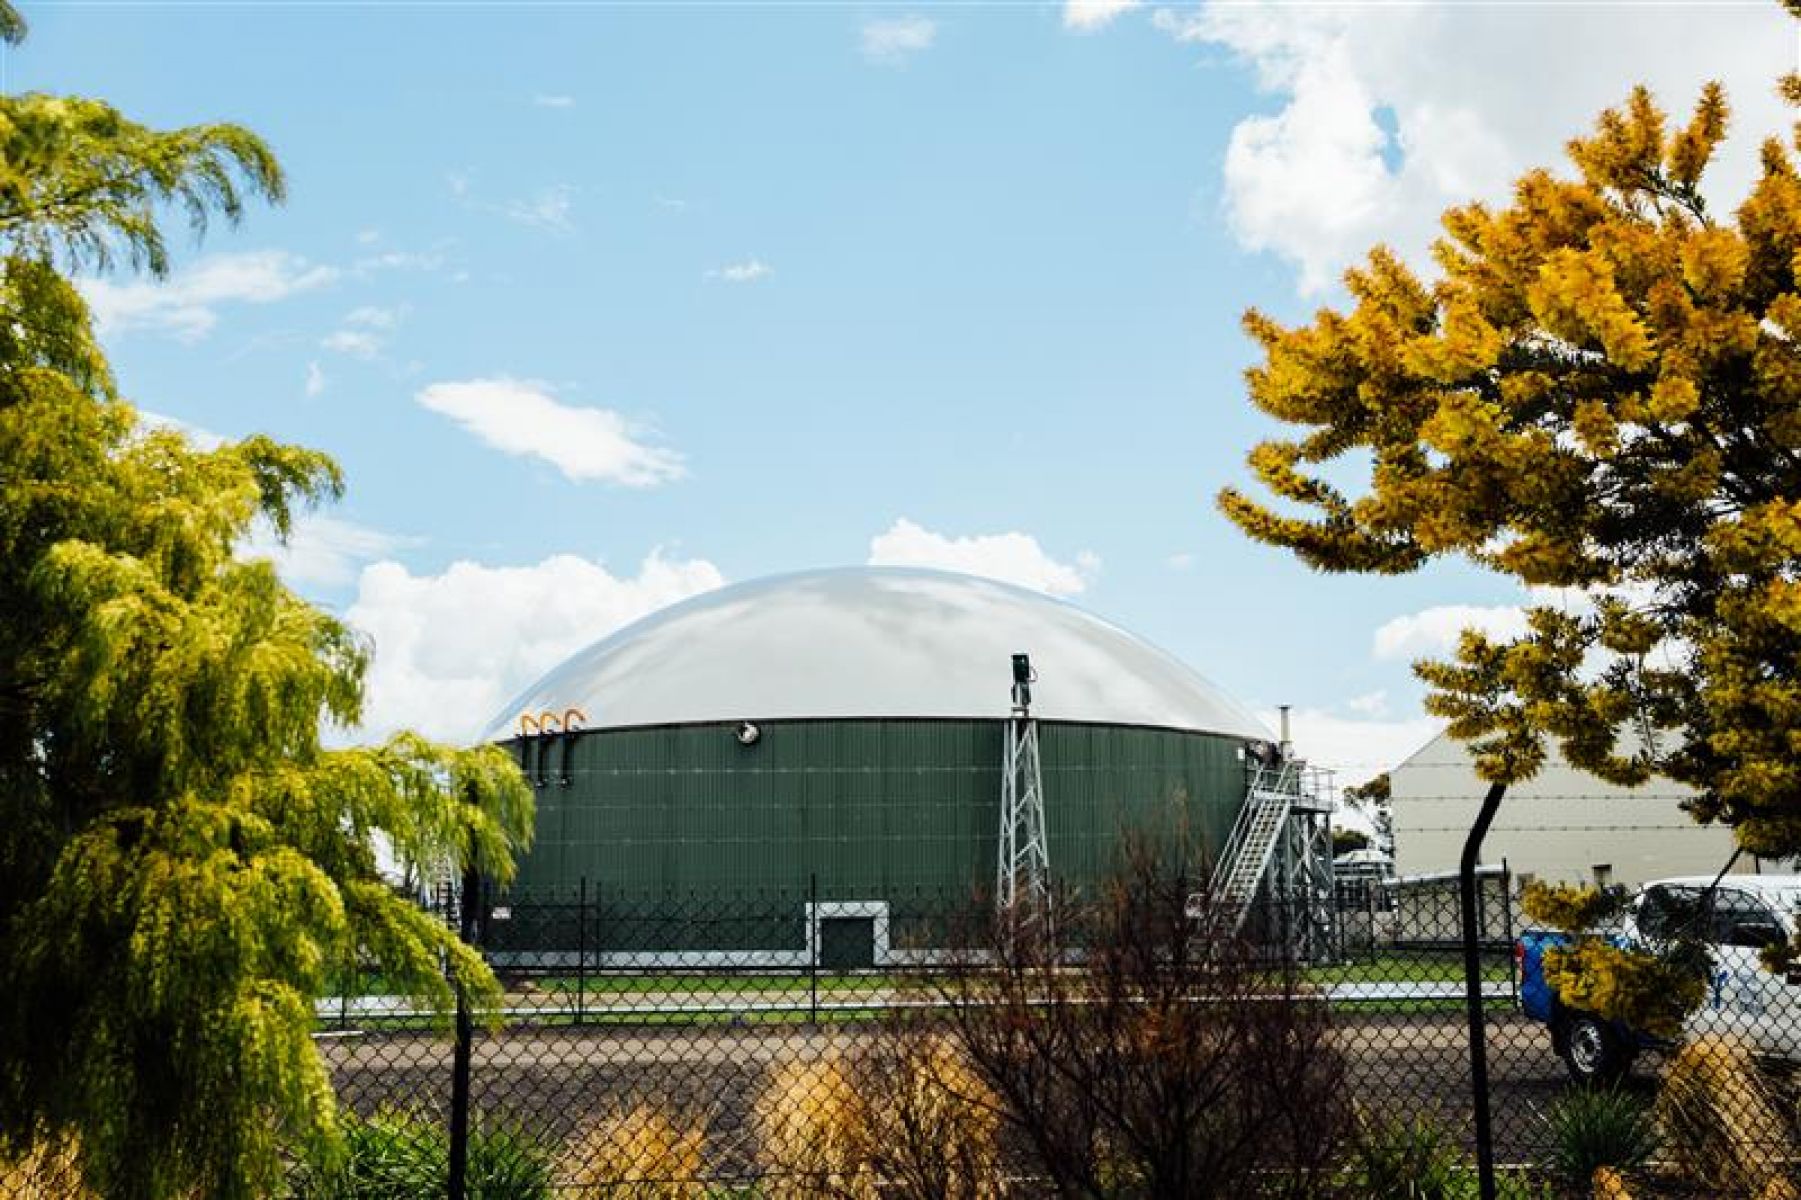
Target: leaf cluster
182, 863
83, 186
1593, 1128
1644, 990
1599, 396
398, 1154
1572, 908
1650, 985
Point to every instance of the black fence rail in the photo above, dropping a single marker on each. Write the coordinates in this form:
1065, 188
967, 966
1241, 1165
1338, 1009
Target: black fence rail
781, 1044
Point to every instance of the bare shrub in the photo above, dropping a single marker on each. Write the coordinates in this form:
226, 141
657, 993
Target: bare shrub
1720, 1118
637, 1154
1136, 1054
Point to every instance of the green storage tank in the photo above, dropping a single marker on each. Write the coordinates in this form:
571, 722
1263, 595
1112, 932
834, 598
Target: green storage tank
830, 743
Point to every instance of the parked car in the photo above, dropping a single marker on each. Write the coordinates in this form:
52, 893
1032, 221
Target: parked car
1742, 915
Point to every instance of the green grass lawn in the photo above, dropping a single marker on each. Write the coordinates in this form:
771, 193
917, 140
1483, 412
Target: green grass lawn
723, 983
1436, 967
613, 997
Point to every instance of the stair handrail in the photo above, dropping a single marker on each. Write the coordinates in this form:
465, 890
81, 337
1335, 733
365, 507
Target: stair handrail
1271, 784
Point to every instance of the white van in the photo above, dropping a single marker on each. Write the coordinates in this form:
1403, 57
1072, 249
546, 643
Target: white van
1748, 913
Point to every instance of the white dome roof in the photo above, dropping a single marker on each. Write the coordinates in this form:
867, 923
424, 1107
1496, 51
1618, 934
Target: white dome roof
874, 642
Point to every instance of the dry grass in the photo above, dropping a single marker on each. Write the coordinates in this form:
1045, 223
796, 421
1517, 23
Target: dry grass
1609, 1185
928, 1124
640, 1154
906, 1120
49, 1172
1720, 1119
808, 1120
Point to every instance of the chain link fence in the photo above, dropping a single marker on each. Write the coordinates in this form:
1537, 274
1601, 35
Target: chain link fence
1126, 1044
775, 1044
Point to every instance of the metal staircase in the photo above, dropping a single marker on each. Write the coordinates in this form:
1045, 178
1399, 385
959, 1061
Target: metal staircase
1256, 834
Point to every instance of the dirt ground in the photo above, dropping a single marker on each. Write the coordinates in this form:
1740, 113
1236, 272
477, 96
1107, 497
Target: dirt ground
556, 1080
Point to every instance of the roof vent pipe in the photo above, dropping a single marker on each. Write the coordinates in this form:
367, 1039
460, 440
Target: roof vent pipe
1287, 746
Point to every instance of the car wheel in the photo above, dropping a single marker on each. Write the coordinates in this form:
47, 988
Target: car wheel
1592, 1051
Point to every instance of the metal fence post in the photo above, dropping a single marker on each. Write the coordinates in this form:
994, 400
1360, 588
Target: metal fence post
581, 953
1369, 919
465, 1037
1513, 967
1472, 984
813, 948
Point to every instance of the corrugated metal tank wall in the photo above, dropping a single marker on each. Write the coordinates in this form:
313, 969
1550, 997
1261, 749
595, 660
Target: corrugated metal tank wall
871, 809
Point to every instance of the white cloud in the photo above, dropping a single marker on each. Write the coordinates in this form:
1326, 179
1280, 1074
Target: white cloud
1087, 15
1433, 632
523, 417
368, 237
749, 271
1010, 557
358, 343
547, 100
1389, 114
364, 331
891, 40
186, 304
315, 379
1180, 562
398, 260
458, 183
450, 649
321, 550
372, 317
203, 438
1370, 704
549, 210
1355, 749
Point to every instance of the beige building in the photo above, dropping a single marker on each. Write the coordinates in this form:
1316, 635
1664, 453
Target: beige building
1562, 824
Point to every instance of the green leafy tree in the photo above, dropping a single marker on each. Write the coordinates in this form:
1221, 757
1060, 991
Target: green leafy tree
1377, 791
1600, 391
1373, 799
182, 864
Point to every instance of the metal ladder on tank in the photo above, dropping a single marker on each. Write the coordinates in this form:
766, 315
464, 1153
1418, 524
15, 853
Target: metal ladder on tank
1243, 863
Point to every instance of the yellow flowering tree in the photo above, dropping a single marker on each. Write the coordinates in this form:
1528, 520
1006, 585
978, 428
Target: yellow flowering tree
182, 865
1650, 986
1600, 390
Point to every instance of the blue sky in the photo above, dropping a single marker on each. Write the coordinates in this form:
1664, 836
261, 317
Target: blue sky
601, 305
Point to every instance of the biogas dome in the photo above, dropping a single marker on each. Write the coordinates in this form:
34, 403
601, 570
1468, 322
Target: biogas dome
841, 737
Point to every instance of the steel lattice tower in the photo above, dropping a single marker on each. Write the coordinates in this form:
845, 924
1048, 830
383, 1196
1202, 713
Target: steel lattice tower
1023, 870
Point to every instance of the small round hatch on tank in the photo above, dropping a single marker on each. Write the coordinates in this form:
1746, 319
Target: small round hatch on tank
747, 733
